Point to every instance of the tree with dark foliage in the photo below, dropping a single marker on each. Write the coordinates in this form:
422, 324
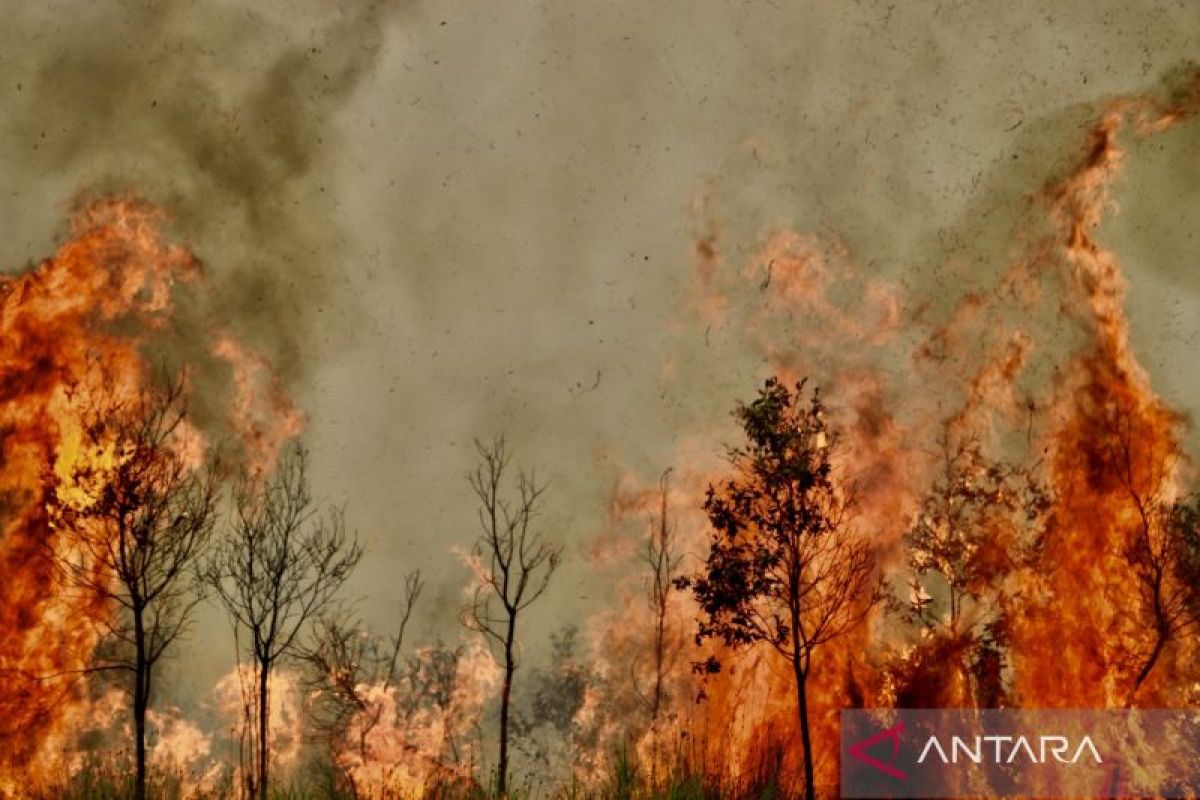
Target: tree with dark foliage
515, 566
131, 524
279, 567
785, 565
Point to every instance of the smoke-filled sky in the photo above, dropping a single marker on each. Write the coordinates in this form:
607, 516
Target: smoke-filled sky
447, 220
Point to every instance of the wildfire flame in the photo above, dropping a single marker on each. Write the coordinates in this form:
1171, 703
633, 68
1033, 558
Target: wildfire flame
79, 325
90, 306
77, 328
1075, 637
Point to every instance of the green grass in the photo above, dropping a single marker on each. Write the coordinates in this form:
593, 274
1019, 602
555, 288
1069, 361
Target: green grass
112, 780
625, 780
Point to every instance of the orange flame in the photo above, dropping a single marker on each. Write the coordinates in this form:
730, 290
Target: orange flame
75, 329
88, 306
1076, 635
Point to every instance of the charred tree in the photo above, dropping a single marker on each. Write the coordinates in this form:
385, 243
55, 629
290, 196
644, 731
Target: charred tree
515, 565
132, 519
785, 565
279, 566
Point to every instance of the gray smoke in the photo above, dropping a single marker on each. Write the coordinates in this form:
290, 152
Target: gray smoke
224, 115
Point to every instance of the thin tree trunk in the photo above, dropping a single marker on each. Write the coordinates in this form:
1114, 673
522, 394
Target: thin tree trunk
509, 667
264, 708
656, 698
1148, 667
141, 680
810, 791
660, 657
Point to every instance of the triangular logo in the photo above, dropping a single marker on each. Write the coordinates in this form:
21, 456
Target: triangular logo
859, 751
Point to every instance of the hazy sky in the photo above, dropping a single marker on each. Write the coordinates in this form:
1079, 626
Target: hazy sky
445, 220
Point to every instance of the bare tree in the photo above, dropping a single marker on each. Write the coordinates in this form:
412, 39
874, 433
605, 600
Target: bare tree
979, 522
515, 566
131, 520
1162, 550
662, 560
434, 673
279, 567
785, 565
344, 664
